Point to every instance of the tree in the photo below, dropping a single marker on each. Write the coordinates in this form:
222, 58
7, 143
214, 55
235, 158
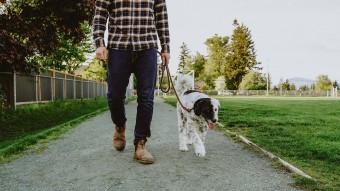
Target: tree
275, 88
209, 81
335, 84
253, 81
304, 88
217, 51
220, 83
198, 63
35, 27
242, 56
312, 87
183, 57
292, 87
68, 56
97, 70
323, 83
285, 85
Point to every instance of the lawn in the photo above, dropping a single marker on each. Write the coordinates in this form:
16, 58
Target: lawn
302, 131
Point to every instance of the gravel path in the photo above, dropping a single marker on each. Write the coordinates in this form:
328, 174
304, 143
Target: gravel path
85, 160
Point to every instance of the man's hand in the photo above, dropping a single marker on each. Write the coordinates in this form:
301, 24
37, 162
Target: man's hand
165, 58
101, 53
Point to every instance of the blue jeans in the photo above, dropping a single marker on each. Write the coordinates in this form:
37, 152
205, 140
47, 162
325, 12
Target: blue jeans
144, 65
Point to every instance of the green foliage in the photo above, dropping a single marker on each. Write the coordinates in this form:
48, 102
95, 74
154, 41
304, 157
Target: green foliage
305, 183
184, 57
231, 57
199, 62
253, 81
217, 51
323, 83
3, 101
293, 87
335, 84
242, 56
220, 83
34, 27
312, 87
69, 56
209, 81
285, 86
304, 88
97, 70
36, 117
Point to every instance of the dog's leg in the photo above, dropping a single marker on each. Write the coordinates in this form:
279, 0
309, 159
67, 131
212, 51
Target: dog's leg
189, 139
196, 139
182, 129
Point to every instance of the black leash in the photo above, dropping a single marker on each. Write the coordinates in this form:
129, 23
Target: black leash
170, 84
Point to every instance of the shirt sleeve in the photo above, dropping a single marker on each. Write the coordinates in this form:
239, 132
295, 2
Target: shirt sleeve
99, 22
162, 25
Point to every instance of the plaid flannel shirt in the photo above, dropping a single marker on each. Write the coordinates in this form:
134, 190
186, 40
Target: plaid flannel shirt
133, 24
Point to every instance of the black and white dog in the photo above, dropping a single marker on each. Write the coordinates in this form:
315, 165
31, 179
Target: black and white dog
193, 125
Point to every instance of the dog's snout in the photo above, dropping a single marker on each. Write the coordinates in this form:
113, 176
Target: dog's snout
214, 120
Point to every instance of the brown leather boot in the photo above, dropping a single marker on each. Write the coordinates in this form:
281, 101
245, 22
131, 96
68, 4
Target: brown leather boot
141, 154
119, 140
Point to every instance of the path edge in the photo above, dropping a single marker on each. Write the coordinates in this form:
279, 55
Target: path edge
270, 155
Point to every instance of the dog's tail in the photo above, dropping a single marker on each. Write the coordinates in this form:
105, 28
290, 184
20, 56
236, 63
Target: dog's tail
184, 83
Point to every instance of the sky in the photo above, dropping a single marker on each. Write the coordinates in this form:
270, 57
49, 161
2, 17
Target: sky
293, 38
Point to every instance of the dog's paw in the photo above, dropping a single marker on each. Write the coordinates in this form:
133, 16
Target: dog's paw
183, 148
200, 151
200, 154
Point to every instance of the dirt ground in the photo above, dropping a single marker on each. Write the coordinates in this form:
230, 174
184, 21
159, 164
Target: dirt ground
84, 159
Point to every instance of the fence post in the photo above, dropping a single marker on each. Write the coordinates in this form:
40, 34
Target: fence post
74, 87
88, 89
53, 85
39, 87
82, 88
14, 91
36, 88
65, 88
94, 89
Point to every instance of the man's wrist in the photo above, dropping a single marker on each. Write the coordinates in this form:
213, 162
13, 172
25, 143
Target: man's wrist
100, 43
165, 48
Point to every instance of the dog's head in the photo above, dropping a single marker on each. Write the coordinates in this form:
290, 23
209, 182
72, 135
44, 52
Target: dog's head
207, 108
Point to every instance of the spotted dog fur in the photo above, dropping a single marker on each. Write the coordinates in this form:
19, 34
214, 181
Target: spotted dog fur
193, 126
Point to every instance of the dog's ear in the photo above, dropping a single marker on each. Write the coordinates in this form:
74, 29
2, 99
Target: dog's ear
218, 103
198, 106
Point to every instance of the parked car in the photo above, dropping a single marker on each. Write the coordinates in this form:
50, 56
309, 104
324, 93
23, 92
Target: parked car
224, 93
244, 93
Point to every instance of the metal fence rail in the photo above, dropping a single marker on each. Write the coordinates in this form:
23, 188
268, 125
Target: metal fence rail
16, 89
272, 93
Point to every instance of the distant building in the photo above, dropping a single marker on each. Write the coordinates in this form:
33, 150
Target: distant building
199, 85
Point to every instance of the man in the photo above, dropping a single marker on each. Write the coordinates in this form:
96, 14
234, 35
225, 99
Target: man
134, 26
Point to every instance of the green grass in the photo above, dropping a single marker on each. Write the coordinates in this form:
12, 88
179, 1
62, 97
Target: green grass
30, 124
304, 132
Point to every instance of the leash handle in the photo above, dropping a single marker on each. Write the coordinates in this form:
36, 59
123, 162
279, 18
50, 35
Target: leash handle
167, 89
169, 84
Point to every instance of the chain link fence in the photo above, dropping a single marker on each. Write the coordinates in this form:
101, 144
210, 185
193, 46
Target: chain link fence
271, 93
16, 89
